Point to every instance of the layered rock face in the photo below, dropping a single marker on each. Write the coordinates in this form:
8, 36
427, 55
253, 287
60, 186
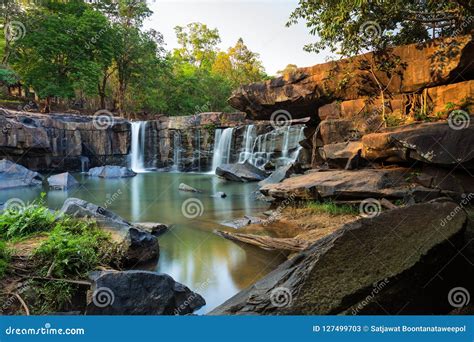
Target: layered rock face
303, 92
62, 142
389, 263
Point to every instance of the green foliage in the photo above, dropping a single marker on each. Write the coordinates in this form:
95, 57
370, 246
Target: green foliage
74, 248
351, 26
21, 222
8, 77
332, 208
51, 296
4, 258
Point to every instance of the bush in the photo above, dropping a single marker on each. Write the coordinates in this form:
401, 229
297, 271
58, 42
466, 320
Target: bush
75, 248
33, 218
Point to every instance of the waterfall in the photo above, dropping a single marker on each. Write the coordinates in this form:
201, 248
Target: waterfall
222, 147
138, 146
247, 143
84, 164
176, 151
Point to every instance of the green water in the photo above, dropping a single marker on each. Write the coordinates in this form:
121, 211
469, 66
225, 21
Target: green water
189, 252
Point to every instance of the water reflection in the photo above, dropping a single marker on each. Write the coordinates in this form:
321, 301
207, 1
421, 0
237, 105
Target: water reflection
190, 252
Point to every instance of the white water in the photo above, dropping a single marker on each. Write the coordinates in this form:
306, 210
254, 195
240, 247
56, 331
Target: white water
176, 151
247, 143
138, 146
222, 147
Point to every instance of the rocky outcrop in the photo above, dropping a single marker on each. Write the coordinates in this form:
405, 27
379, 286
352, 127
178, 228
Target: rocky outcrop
431, 143
140, 293
13, 176
392, 183
139, 246
403, 249
301, 93
63, 181
111, 171
244, 172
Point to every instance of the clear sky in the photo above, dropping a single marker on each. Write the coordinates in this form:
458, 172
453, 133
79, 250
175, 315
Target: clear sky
261, 23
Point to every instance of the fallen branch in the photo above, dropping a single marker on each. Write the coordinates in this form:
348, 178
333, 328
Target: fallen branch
77, 282
22, 302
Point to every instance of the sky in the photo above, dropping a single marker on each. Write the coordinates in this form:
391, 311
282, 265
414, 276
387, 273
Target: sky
261, 23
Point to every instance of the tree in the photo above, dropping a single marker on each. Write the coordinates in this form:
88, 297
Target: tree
198, 44
288, 69
239, 64
351, 26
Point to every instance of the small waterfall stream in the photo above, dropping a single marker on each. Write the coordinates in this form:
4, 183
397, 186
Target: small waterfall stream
138, 146
222, 147
177, 149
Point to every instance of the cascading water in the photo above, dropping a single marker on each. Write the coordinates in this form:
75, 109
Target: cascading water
176, 151
247, 144
138, 146
222, 147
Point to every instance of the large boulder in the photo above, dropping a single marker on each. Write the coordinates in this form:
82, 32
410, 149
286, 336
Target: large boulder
403, 249
140, 246
346, 155
280, 174
432, 143
244, 172
63, 181
302, 92
111, 171
351, 185
14, 175
140, 293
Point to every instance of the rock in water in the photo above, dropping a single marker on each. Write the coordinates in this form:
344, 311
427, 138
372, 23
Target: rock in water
140, 246
111, 171
245, 172
154, 228
399, 247
140, 293
14, 175
187, 188
62, 181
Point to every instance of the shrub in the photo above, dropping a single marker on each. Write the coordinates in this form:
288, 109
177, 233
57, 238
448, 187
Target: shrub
4, 258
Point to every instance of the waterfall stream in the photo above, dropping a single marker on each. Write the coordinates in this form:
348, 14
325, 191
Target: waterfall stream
222, 147
138, 146
176, 151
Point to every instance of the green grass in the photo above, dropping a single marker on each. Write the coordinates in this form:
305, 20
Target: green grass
332, 208
21, 222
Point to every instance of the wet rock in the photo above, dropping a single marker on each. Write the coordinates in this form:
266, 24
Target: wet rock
242, 222
14, 175
154, 228
401, 248
245, 172
140, 293
187, 188
140, 246
345, 155
337, 131
63, 181
431, 143
111, 171
280, 174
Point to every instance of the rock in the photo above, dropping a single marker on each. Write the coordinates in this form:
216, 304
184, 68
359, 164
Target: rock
154, 228
245, 172
140, 293
62, 181
14, 175
269, 166
350, 185
403, 248
220, 194
187, 188
432, 143
457, 94
139, 246
304, 91
242, 222
337, 131
279, 175
346, 155
111, 171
